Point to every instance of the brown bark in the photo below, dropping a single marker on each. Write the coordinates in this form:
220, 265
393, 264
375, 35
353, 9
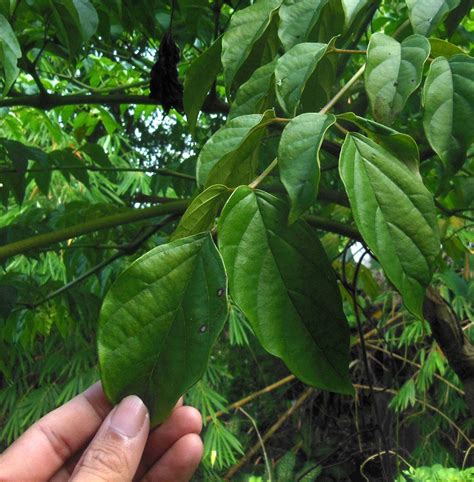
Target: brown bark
450, 337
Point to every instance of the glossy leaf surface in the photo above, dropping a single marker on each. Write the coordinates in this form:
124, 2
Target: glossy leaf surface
280, 278
202, 211
393, 72
159, 321
425, 15
395, 214
298, 157
199, 79
448, 99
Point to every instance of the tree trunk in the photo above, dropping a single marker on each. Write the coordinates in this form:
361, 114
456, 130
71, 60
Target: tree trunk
452, 340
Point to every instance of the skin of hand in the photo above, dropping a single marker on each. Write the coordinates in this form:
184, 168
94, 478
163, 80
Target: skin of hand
89, 440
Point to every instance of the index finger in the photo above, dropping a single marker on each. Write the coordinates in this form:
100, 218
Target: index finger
44, 448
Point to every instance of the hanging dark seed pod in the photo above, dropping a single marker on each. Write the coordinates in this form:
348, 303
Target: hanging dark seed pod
164, 84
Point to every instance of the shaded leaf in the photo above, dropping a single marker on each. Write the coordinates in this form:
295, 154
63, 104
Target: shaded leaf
297, 20
10, 52
240, 165
280, 278
426, 15
298, 158
88, 18
159, 321
443, 48
226, 142
257, 94
402, 146
448, 100
199, 79
395, 214
202, 212
394, 71
246, 27
293, 71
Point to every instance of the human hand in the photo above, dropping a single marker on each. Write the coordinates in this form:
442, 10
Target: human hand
58, 447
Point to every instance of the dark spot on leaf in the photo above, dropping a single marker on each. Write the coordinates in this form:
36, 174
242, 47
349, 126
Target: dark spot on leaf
395, 83
220, 291
203, 329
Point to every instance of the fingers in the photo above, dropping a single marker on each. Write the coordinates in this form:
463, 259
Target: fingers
183, 421
55, 438
179, 463
115, 451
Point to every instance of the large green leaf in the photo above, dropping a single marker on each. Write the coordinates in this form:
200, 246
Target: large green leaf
394, 71
159, 321
202, 211
448, 99
294, 71
425, 15
199, 79
10, 52
298, 159
297, 20
443, 48
395, 214
246, 28
280, 278
402, 146
352, 8
257, 94
231, 151
88, 18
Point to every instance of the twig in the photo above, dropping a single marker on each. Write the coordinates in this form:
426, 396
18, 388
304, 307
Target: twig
163, 171
379, 454
126, 249
366, 364
269, 433
267, 463
342, 92
422, 402
264, 174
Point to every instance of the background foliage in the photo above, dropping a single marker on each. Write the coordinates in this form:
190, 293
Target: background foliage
92, 163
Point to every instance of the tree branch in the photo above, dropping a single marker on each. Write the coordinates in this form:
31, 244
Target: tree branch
163, 171
132, 216
50, 101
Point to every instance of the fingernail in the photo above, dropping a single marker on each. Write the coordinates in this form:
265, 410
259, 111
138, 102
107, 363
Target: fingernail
129, 416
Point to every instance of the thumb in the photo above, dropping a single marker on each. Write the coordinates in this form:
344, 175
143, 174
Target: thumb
116, 450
